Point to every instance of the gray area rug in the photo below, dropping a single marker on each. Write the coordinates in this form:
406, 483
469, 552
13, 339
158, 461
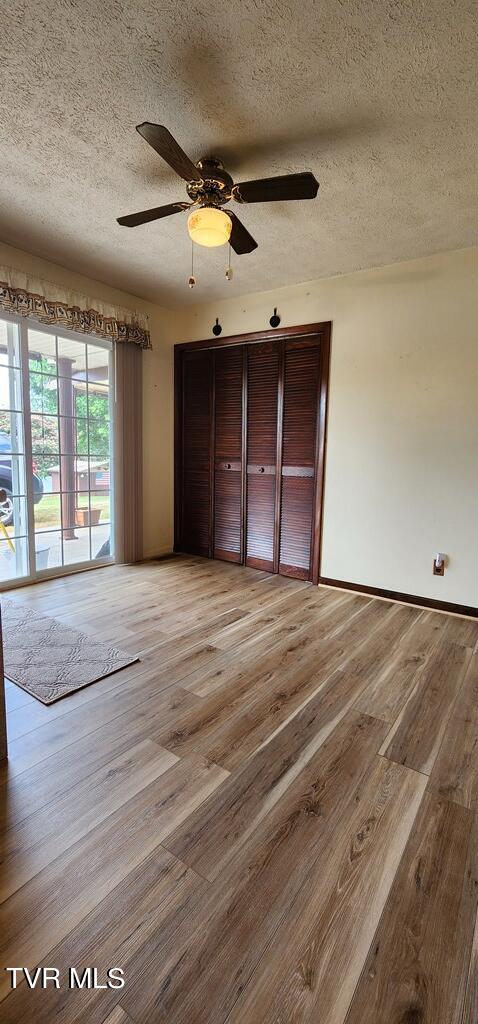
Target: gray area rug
51, 660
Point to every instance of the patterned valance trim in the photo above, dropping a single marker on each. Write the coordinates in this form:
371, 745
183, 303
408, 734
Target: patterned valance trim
59, 314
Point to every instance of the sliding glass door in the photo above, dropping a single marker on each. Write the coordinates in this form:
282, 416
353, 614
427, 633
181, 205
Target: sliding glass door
55, 451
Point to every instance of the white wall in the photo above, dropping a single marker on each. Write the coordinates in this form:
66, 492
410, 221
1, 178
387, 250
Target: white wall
402, 453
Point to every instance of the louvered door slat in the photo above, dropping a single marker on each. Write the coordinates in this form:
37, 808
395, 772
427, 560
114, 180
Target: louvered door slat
228, 454
196, 453
262, 402
299, 436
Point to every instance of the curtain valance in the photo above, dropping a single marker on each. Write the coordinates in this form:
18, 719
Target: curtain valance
51, 304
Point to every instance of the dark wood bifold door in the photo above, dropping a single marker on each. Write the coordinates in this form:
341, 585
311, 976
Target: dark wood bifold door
250, 446
262, 449
197, 419
228, 448
301, 376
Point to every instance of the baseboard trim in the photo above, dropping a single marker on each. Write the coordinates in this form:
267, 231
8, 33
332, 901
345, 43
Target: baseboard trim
158, 556
395, 595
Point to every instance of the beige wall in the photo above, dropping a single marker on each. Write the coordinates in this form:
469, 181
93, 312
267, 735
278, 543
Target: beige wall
402, 453
157, 391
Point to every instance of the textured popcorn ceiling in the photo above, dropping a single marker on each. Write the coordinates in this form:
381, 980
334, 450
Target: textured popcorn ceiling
379, 99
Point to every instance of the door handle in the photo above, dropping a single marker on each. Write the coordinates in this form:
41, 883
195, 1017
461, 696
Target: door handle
223, 467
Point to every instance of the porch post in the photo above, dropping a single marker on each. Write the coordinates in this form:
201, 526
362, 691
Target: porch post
66, 408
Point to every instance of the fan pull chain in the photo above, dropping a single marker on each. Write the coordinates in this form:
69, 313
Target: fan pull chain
192, 279
229, 268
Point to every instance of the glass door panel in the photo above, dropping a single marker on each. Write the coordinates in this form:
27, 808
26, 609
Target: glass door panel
71, 442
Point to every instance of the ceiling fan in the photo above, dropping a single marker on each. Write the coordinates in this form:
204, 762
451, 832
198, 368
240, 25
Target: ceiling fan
209, 188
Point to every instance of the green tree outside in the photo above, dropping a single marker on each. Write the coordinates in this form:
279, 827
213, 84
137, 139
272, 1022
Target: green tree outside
91, 410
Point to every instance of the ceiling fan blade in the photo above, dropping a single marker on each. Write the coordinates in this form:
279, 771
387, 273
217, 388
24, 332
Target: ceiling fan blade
240, 239
132, 220
284, 187
163, 142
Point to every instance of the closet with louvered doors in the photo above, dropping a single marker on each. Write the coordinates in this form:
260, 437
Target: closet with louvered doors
250, 444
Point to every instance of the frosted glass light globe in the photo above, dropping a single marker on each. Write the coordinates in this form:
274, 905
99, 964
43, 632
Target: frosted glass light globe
209, 226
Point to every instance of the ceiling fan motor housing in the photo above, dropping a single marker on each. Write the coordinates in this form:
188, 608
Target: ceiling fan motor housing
216, 186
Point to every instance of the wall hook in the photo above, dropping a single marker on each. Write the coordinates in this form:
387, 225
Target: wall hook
275, 319
217, 329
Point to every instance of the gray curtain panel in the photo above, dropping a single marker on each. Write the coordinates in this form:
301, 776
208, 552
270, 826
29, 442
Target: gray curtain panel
128, 453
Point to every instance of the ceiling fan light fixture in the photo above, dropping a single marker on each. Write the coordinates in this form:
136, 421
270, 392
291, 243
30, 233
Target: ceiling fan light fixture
209, 226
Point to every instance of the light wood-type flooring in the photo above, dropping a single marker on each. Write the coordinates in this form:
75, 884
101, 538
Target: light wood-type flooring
270, 819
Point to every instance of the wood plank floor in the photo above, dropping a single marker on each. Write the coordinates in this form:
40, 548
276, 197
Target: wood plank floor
269, 819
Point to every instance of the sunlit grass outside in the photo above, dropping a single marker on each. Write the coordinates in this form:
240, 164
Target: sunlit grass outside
46, 512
